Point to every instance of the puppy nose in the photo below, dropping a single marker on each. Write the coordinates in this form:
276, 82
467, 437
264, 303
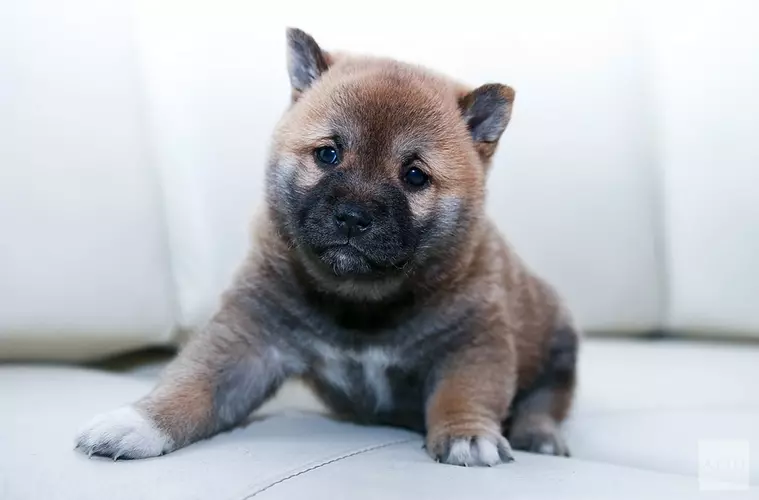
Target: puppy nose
351, 219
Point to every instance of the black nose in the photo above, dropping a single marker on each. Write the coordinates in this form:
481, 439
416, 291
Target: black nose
351, 219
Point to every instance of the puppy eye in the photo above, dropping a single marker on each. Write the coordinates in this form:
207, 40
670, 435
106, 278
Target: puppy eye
416, 178
327, 155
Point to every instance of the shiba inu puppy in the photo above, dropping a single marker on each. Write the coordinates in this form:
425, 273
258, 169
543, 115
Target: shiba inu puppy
376, 277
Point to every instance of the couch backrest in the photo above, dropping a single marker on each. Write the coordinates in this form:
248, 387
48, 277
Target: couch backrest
132, 156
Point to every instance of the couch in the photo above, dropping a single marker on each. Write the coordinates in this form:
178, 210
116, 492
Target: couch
646, 414
131, 159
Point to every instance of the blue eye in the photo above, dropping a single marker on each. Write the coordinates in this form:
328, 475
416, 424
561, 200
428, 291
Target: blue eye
327, 155
415, 177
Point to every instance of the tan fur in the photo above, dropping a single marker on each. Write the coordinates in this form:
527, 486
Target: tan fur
489, 338
431, 101
524, 310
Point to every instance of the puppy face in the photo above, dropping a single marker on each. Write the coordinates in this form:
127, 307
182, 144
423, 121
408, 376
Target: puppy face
378, 168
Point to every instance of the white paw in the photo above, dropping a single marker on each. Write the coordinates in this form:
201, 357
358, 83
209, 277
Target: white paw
123, 433
475, 451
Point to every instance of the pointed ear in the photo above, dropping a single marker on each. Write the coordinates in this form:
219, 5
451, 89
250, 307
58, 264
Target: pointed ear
305, 61
486, 111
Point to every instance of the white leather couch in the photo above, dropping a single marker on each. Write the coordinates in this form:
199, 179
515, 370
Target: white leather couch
647, 418
132, 141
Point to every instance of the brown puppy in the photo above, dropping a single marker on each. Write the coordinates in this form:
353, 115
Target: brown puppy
377, 278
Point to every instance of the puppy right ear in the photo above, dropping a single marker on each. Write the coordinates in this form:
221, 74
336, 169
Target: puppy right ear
305, 61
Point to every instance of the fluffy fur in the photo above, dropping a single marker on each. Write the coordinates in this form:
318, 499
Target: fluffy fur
400, 304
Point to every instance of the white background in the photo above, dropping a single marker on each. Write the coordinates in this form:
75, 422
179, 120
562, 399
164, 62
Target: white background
133, 138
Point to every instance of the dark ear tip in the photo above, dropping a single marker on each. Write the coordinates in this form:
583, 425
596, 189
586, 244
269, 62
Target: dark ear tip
508, 92
490, 91
498, 88
296, 34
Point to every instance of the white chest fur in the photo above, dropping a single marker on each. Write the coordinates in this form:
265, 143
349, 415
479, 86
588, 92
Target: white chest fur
339, 369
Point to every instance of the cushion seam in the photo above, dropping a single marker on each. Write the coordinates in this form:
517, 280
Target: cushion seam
325, 463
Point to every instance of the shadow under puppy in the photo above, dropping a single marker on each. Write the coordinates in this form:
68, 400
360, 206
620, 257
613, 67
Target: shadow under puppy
376, 277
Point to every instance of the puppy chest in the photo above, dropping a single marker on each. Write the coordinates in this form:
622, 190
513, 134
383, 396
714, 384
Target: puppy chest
371, 385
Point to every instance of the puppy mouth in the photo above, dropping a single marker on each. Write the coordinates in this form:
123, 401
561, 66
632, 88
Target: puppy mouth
346, 259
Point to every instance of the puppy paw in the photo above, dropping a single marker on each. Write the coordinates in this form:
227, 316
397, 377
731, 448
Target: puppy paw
123, 433
484, 450
544, 438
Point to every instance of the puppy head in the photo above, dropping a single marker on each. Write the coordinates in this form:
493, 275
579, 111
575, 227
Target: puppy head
377, 170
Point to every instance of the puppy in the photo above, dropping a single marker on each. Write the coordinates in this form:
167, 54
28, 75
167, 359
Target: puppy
377, 278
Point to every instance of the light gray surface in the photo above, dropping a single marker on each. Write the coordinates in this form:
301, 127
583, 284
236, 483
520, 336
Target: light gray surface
640, 412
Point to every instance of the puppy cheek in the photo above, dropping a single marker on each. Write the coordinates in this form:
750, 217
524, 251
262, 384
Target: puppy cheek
307, 176
442, 217
293, 173
441, 231
280, 179
282, 196
422, 206
449, 211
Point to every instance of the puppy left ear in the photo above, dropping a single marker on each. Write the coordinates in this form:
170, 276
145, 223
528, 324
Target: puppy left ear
305, 61
486, 111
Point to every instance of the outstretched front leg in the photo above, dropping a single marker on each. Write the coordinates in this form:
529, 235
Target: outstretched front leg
222, 374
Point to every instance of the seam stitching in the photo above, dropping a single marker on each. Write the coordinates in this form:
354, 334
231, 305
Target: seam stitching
328, 462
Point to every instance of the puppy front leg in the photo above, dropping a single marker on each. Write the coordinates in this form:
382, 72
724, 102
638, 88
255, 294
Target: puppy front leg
222, 374
468, 404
